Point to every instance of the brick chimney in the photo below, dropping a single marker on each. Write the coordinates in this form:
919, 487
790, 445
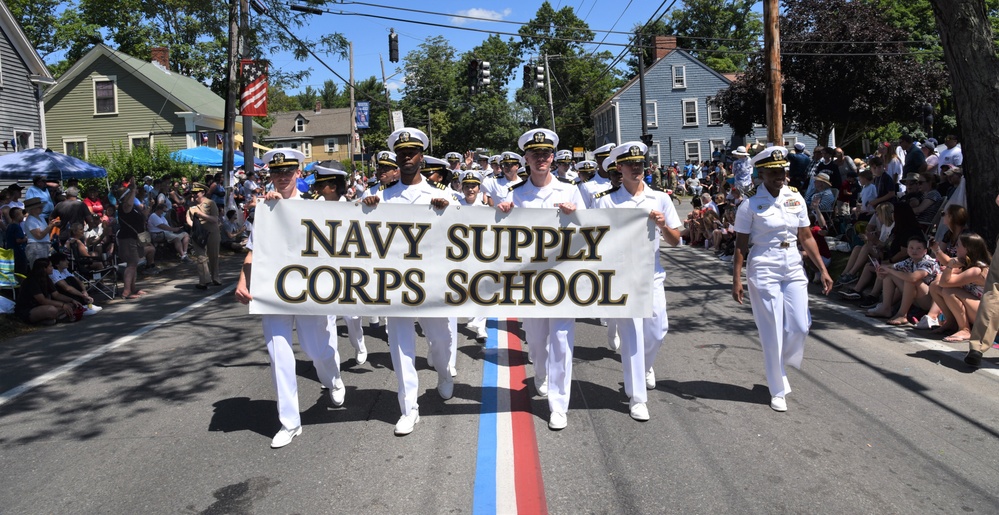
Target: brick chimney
664, 45
319, 106
161, 56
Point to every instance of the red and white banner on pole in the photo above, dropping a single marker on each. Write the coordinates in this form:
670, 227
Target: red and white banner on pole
253, 98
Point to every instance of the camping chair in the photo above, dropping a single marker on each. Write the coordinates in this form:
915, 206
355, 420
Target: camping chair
102, 279
931, 228
9, 280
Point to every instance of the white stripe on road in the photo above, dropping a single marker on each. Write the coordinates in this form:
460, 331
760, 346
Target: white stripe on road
17, 391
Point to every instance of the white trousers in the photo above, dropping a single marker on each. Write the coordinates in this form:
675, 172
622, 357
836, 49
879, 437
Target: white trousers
641, 339
778, 291
402, 348
317, 343
355, 333
550, 341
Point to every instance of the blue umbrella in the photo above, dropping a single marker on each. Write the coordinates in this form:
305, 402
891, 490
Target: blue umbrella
34, 162
256, 160
204, 156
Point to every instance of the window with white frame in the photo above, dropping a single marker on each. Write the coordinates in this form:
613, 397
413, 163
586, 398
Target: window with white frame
719, 146
140, 140
299, 125
690, 112
692, 150
679, 77
307, 148
714, 112
789, 141
75, 146
332, 145
652, 113
654, 153
105, 94
24, 139
1, 71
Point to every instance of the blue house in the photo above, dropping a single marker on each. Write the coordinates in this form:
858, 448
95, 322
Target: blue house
682, 118
23, 76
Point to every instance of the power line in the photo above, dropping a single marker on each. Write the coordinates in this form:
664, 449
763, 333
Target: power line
612, 28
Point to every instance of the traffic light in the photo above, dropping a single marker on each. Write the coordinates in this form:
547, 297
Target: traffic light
484, 73
528, 70
393, 46
473, 75
539, 76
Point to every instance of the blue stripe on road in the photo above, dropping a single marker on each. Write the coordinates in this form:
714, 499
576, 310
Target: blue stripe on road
484, 493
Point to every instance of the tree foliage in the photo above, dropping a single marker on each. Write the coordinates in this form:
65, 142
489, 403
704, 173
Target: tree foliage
843, 67
721, 35
580, 81
121, 162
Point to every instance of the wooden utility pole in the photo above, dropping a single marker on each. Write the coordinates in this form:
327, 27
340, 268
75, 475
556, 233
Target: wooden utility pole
232, 95
244, 52
353, 119
771, 52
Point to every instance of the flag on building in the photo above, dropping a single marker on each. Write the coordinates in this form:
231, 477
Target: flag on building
253, 98
204, 138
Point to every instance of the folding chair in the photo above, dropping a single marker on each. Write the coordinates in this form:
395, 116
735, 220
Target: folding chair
931, 228
103, 278
9, 280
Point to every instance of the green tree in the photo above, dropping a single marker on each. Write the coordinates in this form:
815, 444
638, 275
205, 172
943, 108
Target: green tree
721, 35
431, 88
121, 162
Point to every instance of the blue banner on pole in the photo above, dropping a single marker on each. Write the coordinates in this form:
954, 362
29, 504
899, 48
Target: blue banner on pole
363, 110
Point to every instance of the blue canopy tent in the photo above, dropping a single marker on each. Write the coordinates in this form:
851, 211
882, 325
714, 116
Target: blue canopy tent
204, 156
35, 162
257, 162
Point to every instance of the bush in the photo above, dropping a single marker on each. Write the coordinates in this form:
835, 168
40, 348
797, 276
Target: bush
156, 162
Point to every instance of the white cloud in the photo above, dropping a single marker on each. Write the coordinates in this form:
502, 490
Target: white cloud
486, 14
394, 85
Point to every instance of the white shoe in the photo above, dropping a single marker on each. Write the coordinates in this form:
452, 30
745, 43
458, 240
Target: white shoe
481, 333
338, 393
557, 421
362, 354
90, 311
927, 322
453, 371
603, 322
778, 404
407, 423
445, 386
542, 387
284, 437
639, 411
615, 342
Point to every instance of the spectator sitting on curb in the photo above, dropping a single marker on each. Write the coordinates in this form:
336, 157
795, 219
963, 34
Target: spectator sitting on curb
69, 285
909, 279
160, 227
958, 290
38, 301
233, 232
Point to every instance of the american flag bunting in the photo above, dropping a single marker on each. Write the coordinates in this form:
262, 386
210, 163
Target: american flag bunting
253, 98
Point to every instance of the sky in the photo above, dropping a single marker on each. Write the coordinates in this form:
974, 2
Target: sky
370, 35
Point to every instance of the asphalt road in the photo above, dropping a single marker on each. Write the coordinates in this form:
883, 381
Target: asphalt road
179, 419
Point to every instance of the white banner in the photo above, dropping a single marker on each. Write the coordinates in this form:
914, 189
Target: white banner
397, 122
344, 258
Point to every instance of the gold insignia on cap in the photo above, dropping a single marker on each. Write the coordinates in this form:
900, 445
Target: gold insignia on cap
635, 151
539, 137
777, 155
403, 137
278, 158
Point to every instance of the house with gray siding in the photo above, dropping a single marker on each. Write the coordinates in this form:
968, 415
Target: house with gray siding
681, 116
108, 98
23, 76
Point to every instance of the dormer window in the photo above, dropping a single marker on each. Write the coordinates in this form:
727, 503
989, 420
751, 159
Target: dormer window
299, 125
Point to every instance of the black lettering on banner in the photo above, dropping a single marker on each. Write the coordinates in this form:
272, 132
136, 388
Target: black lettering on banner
314, 293
314, 234
605, 291
524, 285
567, 246
413, 277
473, 288
457, 241
545, 238
457, 296
539, 284
381, 245
388, 279
413, 238
279, 285
573, 289
478, 243
520, 238
593, 240
354, 281
355, 237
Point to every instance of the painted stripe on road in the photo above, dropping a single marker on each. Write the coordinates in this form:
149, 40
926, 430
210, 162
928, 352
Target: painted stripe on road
17, 391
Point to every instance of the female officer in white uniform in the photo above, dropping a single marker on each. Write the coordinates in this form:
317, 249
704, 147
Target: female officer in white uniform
775, 220
550, 339
313, 330
641, 338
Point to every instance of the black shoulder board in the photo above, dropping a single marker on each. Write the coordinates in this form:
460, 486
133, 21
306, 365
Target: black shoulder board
387, 186
567, 181
515, 186
436, 185
607, 192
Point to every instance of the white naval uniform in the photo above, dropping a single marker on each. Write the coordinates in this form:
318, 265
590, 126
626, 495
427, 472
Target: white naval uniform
355, 333
316, 341
401, 330
550, 340
778, 287
590, 188
498, 188
475, 322
641, 338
